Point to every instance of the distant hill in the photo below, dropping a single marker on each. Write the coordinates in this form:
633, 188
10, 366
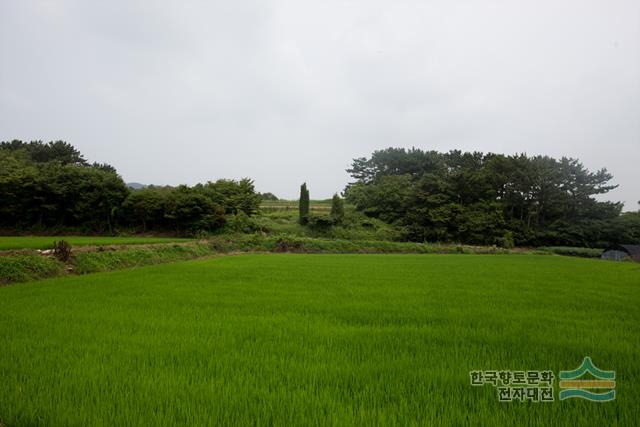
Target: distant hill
135, 185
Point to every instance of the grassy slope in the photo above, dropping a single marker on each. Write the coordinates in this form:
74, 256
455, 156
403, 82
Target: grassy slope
292, 205
26, 267
316, 339
276, 220
46, 242
91, 262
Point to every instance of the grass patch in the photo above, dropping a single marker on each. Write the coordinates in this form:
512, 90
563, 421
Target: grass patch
92, 262
22, 266
316, 340
571, 251
46, 242
26, 267
298, 244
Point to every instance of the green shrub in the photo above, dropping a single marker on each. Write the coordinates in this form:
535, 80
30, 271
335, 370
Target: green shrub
506, 241
320, 222
243, 223
337, 209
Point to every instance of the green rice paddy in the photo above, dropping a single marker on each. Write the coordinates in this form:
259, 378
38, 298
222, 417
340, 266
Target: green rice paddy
46, 242
283, 339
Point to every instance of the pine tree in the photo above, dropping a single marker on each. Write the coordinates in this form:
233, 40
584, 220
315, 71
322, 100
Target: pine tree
304, 204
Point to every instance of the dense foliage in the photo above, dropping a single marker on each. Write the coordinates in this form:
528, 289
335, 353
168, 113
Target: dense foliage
186, 210
429, 196
46, 185
489, 198
51, 185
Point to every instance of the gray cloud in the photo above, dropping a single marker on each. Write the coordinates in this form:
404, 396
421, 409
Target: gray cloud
290, 91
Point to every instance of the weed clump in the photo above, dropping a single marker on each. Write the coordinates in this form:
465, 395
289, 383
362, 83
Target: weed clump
62, 250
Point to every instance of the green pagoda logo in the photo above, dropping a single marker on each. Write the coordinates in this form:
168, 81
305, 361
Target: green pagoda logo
598, 386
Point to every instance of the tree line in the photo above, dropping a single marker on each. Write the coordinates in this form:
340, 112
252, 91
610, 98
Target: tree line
457, 196
486, 198
52, 186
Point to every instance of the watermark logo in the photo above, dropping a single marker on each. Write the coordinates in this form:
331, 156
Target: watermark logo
585, 382
571, 384
533, 386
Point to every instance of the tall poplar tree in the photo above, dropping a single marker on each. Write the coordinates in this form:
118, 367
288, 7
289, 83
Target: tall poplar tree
304, 204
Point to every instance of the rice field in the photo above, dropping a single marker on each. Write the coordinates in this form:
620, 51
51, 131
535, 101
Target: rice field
284, 339
46, 242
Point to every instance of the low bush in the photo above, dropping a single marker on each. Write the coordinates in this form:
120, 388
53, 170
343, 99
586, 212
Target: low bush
320, 223
241, 223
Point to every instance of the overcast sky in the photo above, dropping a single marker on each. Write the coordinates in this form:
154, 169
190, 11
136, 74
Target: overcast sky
290, 91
